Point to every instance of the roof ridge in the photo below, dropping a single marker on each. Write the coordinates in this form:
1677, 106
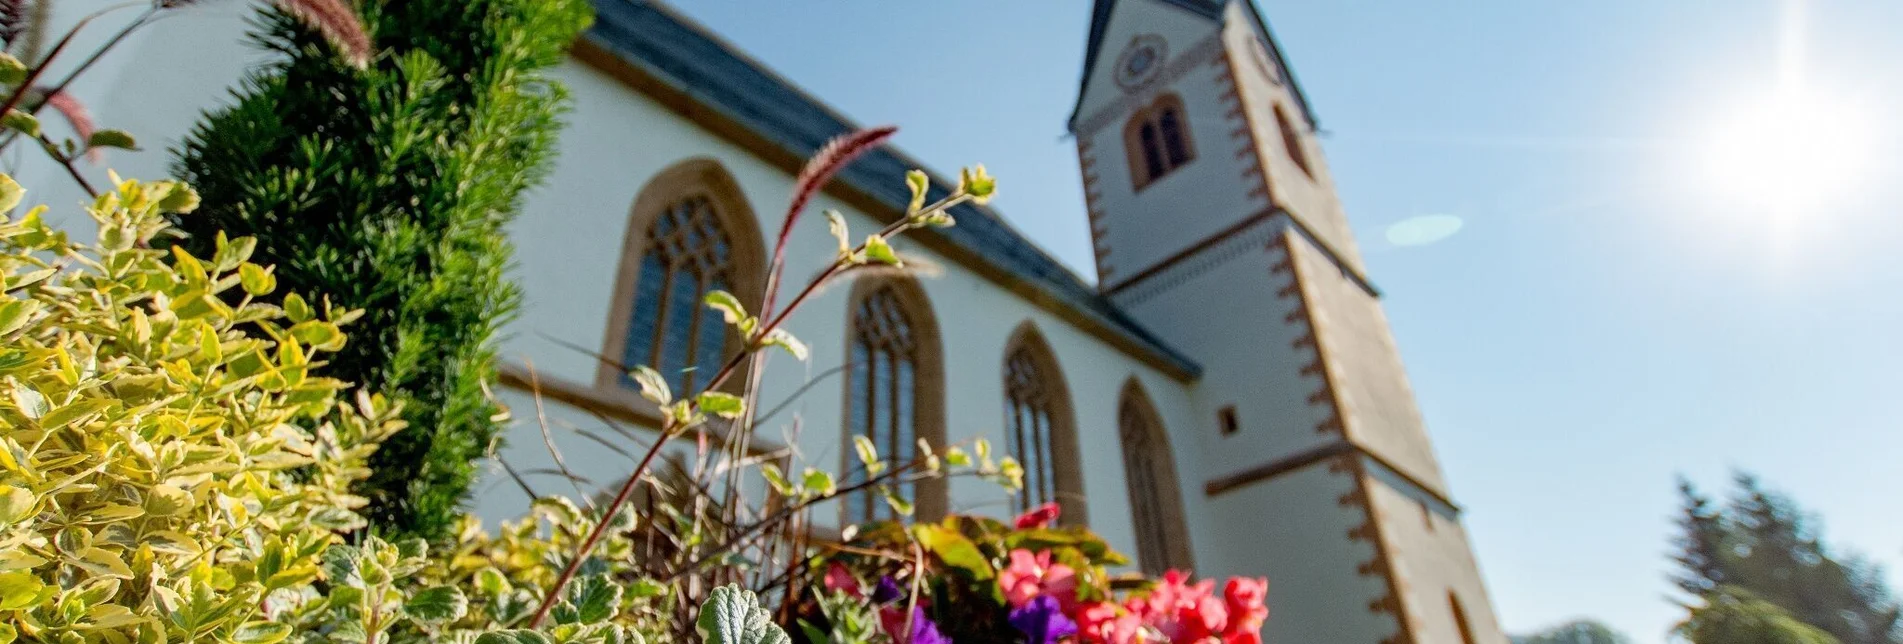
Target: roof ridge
661, 42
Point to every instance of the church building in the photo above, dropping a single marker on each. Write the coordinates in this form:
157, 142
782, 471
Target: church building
1225, 397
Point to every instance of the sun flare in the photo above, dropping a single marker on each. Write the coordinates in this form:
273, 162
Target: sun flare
1791, 152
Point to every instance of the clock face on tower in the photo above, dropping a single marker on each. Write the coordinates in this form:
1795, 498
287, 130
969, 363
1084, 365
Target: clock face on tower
1141, 61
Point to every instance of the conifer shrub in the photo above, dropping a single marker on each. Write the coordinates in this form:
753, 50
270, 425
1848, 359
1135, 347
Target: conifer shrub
382, 169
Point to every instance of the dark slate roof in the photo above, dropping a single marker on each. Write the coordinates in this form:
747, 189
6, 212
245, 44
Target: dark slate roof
690, 59
1210, 9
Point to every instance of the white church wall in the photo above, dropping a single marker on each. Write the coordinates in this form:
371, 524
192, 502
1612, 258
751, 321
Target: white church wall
1309, 194
1230, 318
1292, 529
1136, 229
569, 242
1371, 385
1432, 558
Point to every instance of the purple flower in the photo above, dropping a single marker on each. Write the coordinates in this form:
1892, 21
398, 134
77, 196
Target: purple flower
924, 631
887, 591
1042, 621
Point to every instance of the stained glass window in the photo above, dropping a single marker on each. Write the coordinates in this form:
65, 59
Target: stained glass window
882, 380
671, 330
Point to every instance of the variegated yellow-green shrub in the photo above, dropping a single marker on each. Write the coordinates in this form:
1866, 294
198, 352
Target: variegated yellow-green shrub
167, 460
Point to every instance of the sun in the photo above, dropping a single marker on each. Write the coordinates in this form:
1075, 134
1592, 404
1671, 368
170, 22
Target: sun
1789, 153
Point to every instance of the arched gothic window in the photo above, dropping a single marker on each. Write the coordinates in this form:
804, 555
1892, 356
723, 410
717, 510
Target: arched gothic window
1156, 504
690, 232
894, 385
1041, 432
1157, 140
1292, 141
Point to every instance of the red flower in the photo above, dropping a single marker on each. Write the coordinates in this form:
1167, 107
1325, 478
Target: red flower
1181, 611
1029, 576
1243, 598
840, 580
1039, 517
1106, 623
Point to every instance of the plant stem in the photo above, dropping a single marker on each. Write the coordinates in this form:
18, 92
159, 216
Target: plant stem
588, 544
784, 514
670, 430
25, 85
51, 151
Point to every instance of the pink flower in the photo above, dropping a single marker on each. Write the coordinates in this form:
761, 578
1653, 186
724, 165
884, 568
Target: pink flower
1182, 612
1029, 576
1105, 623
840, 580
1039, 517
1243, 598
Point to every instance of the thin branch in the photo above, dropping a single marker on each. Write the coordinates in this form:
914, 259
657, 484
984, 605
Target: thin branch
802, 506
548, 441
52, 150
601, 525
519, 481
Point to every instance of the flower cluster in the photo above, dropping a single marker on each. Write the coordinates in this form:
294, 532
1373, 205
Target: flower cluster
1022, 581
1045, 608
888, 599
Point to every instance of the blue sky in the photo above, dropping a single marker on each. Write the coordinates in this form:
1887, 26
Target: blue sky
1607, 316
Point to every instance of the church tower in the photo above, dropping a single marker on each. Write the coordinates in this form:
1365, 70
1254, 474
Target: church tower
1216, 225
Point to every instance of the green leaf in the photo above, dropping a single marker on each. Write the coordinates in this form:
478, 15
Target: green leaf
836, 224
19, 590
112, 139
257, 280
10, 192
819, 481
261, 633
296, 309
900, 504
953, 549
21, 122
919, 182
515, 636
722, 404
437, 605
233, 252
589, 600
734, 616
12, 71
880, 252
653, 386
181, 199
975, 182
868, 454
14, 314
784, 339
16, 503
644, 588
777, 479
28, 401
956, 457
69, 414
729, 306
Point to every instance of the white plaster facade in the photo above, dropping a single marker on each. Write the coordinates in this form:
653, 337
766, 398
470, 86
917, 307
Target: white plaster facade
1242, 260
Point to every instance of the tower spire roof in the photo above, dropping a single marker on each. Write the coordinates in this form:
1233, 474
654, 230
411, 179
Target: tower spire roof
1209, 9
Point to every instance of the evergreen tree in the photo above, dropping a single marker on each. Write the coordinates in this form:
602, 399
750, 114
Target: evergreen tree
1763, 545
1734, 616
1700, 542
384, 178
